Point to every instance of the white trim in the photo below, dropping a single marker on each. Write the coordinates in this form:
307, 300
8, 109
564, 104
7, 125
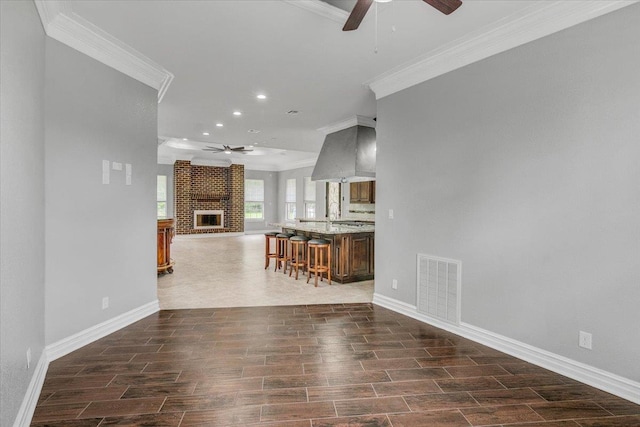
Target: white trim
607, 381
293, 165
347, 123
67, 345
62, 24
539, 20
30, 400
321, 8
207, 235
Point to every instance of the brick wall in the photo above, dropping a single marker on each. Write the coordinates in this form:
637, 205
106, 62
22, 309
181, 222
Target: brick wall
208, 188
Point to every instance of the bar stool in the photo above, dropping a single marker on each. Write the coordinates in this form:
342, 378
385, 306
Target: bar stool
267, 247
298, 253
321, 253
282, 250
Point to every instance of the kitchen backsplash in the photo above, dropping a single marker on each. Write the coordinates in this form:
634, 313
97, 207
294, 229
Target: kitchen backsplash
361, 211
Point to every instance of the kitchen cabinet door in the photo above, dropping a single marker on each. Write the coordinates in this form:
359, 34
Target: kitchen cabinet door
362, 192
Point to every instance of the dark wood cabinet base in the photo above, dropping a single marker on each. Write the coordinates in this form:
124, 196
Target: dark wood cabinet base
352, 254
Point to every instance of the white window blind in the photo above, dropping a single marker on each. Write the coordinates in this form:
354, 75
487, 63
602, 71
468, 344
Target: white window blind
290, 200
254, 190
253, 199
290, 196
309, 189
162, 196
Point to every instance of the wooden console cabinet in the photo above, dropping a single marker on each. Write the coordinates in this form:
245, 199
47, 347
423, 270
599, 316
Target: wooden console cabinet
165, 236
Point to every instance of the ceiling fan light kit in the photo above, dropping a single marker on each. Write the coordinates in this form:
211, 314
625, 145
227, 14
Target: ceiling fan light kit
362, 6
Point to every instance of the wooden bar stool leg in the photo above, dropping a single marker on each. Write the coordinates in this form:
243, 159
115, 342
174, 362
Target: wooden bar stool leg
315, 255
329, 264
308, 262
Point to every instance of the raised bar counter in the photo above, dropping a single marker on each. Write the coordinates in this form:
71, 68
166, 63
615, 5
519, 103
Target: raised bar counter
352, 247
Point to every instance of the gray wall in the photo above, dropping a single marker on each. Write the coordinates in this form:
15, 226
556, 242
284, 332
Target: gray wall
21, 201
101, 239
168, 171
525, 167
270, 200
299, 175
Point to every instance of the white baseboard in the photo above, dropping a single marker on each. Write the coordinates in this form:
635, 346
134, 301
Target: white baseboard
69, 344
207, 235
607, 381
82, 338
28, 406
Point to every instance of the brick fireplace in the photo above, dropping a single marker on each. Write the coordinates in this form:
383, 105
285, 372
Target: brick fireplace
208, 188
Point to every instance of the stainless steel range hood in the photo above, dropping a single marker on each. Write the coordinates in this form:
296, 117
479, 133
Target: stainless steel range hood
349, 154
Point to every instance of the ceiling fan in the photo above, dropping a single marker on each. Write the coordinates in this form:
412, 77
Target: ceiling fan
227, 149
362, 6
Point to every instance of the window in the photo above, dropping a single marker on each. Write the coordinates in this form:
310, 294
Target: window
309, 198
290, 200
162, 196
253, 199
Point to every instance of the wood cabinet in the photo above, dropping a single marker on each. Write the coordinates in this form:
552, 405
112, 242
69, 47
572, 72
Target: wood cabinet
165, 236
352, 254
362, 192
361, 250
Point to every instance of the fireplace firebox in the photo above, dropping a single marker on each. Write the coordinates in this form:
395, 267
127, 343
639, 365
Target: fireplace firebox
208, 219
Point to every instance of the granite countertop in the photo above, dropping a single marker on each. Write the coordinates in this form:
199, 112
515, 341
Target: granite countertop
326, 227
338, 221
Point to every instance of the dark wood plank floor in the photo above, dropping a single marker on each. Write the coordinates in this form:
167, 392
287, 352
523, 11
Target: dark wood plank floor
323, 365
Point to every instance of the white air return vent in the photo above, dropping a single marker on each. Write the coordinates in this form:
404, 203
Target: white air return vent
439, 288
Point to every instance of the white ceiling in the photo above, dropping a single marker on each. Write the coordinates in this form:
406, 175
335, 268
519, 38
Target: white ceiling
223, 53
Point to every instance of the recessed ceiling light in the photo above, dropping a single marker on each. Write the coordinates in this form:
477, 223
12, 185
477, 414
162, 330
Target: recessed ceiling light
237, 113
251, 146
261, 96
205, 133
184, 139
253, 131
219, 125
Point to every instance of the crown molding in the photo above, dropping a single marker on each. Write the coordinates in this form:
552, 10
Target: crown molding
321, 8
539, 20
62, 24
347, 123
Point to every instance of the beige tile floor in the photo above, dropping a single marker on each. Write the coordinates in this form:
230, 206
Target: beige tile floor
229, 272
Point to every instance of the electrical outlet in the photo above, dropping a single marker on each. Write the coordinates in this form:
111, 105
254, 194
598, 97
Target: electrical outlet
390, 213
585, 340
394, 284
105, 303
28, 357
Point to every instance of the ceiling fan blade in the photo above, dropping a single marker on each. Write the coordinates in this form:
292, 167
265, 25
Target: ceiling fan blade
357, 15
445, 6
214, 149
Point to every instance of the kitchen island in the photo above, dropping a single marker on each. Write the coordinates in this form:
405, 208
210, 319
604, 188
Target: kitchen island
352, 247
